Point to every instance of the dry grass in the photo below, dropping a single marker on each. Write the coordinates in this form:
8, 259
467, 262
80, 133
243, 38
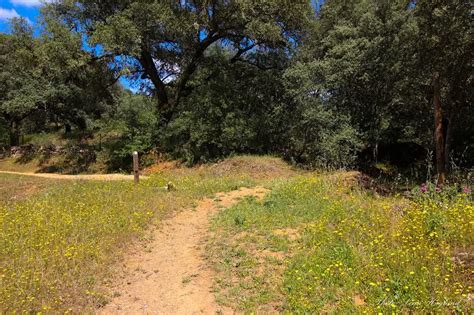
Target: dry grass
258, 167
162, 166
14, 165
16, 188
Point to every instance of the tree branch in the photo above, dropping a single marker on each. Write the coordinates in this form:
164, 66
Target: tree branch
192, 65
148, 64
240, 52
259, 65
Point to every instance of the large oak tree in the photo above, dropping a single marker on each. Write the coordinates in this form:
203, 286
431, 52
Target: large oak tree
165, 41
445, 50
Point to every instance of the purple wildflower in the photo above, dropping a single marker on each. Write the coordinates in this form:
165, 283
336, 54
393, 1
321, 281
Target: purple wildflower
466, 190
424, 188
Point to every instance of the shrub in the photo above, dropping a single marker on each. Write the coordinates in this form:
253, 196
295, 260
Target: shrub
217, 119
132, 128
322, 138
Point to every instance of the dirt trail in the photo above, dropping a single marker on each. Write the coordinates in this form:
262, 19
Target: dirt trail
171, 276
105, 177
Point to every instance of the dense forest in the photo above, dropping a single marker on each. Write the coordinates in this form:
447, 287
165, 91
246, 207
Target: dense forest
379, 85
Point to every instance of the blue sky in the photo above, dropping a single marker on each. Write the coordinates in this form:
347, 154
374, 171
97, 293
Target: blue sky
28, 9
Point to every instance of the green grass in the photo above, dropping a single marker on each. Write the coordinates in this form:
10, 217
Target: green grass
59, 245
316, 245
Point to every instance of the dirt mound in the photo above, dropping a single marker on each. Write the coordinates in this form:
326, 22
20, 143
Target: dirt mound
161, 166
257, 167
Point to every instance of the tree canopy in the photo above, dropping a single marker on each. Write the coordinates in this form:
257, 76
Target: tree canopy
164, 42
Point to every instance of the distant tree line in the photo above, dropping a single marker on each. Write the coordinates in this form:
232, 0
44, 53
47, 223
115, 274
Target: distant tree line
353, 83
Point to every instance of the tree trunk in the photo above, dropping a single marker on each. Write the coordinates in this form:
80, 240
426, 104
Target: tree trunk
148, 64
439, 135
448, 130
67, 128
168, 103
14, 134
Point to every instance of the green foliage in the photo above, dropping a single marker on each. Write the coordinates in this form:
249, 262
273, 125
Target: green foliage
132, 127
197, 137
349, 86
50, 79
372, 61
355, 58
319, 135
22, 86
428, 192
163, 36
444, 44
217, 119
321, 139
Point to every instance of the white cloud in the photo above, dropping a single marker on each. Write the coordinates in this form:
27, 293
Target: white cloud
6, 14
29, 3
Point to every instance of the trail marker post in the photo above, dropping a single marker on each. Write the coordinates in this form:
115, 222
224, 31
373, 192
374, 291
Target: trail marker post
136, 170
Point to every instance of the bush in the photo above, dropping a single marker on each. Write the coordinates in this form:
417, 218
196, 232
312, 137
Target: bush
132, 128
440, 194
321, 138
320, 135
197, 138
218, 119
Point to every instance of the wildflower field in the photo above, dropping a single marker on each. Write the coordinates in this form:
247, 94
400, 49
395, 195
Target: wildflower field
319, 244
316, 243
58, 245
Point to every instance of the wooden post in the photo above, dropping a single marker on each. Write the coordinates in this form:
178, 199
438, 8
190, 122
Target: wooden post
136, 171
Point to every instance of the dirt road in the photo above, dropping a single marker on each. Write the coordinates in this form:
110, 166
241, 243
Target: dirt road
105, 177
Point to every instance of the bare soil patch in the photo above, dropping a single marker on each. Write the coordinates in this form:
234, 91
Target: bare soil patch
161, 166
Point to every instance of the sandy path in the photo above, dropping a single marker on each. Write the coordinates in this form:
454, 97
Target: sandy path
105, 177
171, 276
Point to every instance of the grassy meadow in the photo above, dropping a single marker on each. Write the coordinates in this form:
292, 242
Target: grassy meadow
316, 243
58, 244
